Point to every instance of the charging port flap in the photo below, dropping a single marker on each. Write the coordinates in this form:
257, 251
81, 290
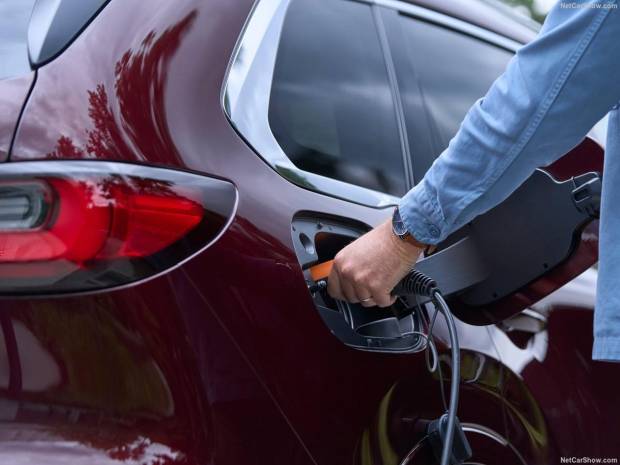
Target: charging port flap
533, 231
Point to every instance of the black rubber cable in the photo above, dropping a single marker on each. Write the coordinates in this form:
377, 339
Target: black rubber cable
417, 283
455, 381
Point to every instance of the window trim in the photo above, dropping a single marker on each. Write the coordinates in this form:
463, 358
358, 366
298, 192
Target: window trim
384, 43
245, 99
429, 122
247, 89
449, 22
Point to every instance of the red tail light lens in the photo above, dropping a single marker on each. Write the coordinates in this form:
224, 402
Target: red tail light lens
67, 226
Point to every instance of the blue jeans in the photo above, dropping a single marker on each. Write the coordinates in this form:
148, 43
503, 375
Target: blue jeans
552, 93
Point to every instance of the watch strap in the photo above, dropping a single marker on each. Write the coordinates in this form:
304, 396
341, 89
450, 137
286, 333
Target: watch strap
406, 236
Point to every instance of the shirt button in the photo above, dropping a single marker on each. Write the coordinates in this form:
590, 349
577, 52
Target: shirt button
433, 230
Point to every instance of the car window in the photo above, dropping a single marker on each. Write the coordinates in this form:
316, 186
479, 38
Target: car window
331, 107
449, 69
14, 18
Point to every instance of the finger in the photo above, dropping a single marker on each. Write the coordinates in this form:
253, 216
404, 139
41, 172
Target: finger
368, 303
333, 285
383, 299
349, 291
342, 288
363, 294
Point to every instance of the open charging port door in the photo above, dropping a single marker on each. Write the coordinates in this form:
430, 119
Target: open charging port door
531, 235
516, 243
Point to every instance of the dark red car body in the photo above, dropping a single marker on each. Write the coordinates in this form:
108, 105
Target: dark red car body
224, 359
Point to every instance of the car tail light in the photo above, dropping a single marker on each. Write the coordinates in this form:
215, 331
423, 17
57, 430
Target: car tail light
76, 226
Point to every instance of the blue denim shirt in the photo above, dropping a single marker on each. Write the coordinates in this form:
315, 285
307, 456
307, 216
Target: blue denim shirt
552, 93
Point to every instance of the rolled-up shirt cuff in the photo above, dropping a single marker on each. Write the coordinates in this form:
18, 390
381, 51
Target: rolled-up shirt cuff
422, 216
606, 349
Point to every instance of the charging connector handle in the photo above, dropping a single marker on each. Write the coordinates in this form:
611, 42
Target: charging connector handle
416, 283
437, 432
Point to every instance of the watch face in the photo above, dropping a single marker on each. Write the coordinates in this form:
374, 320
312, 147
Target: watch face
398, 226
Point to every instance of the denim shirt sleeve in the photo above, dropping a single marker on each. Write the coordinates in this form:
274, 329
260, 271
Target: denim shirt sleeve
552, 93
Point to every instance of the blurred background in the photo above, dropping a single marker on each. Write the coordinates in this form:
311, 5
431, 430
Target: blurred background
535, 9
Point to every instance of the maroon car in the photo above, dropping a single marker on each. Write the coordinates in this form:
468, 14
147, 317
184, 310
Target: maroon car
170, 173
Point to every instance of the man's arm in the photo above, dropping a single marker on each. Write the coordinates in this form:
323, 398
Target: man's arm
552, 93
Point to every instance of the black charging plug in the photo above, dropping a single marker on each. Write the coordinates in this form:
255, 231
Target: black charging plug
437, 431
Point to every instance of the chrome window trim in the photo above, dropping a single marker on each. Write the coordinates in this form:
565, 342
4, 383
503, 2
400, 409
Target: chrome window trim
444, 20
246, 103
247, 90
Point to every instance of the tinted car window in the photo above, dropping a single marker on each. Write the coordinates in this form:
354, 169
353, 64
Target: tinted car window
449, 69
14, 17
331, 108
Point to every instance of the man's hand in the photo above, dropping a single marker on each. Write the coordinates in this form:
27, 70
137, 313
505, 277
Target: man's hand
368, 269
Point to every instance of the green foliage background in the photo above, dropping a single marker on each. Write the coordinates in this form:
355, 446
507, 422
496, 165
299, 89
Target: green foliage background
534, 12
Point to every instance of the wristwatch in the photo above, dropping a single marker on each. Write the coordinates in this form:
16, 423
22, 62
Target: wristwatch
400, 230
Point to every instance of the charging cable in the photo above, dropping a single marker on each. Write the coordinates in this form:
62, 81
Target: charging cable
445, 434
442, 431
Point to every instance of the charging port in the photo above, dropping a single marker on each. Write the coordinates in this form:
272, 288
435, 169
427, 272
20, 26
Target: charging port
393, 329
